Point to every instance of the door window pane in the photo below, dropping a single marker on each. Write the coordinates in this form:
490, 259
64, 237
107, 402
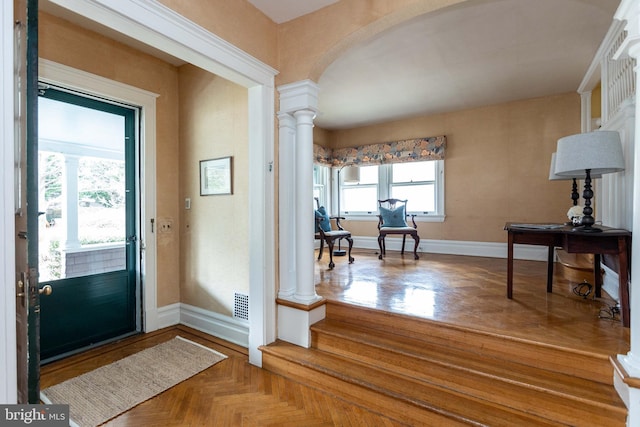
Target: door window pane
82, 188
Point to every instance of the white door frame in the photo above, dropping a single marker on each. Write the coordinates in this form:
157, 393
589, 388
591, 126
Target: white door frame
164, 29
8, 362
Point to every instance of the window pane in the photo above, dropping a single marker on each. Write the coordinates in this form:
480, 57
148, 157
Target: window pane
414, 171
368, 175
359, 199
421, 198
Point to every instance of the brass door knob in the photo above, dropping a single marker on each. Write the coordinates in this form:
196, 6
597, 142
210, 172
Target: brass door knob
46, 290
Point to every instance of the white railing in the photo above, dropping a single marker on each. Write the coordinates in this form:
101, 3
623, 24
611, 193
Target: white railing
618, 80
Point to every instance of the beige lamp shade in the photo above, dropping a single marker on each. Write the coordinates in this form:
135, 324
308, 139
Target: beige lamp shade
599, 151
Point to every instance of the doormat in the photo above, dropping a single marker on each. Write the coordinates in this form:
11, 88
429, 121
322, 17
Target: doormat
106, 392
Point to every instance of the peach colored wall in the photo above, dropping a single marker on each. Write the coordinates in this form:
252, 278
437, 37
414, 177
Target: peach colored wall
76, 47
236, 21
214, 235
496, 165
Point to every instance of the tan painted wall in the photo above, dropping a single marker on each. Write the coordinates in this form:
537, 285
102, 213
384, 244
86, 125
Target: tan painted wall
214, 234
496, 165
236, 21
76, 47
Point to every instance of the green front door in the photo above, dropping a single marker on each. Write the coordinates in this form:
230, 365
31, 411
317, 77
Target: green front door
88, 242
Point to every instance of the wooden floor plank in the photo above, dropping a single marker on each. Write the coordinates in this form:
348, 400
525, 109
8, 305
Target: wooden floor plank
453, 289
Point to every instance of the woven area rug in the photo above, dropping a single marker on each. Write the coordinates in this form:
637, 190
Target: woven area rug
104, 393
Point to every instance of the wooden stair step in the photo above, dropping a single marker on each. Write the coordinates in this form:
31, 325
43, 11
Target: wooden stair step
588, 365
548, 394
397, 396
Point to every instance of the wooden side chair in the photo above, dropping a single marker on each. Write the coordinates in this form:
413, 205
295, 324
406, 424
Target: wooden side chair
392, 219
325, 233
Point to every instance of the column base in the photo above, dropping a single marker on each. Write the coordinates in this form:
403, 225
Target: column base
295, 320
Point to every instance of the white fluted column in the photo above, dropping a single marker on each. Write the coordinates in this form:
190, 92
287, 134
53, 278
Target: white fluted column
629, 11
286, 205
305, 286
298, 306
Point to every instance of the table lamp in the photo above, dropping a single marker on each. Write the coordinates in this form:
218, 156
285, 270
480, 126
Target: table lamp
591, 155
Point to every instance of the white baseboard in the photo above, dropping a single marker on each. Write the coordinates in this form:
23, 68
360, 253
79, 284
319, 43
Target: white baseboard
169, 315
610, 283
456, 247
224, 327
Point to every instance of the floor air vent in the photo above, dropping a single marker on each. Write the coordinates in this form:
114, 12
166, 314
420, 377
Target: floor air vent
241, 306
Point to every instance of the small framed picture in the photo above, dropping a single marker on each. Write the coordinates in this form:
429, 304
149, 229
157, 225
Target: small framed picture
216, 176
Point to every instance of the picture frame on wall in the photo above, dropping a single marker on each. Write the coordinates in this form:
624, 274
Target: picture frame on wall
216, 176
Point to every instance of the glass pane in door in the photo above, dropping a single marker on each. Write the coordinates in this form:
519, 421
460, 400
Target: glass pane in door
82, 190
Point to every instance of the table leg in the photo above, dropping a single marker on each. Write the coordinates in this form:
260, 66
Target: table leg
550, 260
597, 277
510, 266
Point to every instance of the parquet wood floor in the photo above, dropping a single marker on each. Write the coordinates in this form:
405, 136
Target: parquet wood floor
470, 291
230, 393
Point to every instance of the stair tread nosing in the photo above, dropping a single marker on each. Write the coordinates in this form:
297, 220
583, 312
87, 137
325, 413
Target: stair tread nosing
418, 393
580, 363
425, 355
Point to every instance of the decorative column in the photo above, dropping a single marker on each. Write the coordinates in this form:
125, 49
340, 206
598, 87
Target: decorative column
286, 205
298, 304
305, 286
627, 374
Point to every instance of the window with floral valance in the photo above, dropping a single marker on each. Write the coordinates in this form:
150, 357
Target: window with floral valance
424, 184
408, 150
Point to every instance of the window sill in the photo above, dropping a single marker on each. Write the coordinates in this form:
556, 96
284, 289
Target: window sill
374, 217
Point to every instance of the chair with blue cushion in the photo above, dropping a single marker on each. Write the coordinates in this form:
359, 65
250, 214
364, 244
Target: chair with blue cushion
392, 219
325, 232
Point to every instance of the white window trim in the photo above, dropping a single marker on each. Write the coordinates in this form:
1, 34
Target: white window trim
384, 186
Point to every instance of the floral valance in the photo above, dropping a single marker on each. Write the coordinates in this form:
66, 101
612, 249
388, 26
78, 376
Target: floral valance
409, 150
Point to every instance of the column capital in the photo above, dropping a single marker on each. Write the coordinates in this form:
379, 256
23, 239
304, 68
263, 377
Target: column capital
286, 120
301, 95
305, 117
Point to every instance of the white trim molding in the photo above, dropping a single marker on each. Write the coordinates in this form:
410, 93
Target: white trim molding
58, 74
456, 247
156, 25
217, 325
225, 327
8, 361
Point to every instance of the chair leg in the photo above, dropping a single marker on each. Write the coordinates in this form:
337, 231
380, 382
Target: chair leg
381, 245
330, 248
415, 247
350, 240
321, 248
404, 238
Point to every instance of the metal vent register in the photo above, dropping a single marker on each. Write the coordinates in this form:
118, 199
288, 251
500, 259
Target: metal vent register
241, 306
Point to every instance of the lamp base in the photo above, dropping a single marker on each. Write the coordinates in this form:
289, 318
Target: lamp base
339, 252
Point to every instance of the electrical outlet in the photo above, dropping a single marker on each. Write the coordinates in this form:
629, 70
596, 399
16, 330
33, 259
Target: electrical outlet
165, 225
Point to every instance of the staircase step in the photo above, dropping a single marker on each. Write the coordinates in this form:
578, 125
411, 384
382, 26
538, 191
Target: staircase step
402, 398
532, 390
587, 365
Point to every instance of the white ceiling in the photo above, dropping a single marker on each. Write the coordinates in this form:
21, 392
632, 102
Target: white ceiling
285, 10
481, 52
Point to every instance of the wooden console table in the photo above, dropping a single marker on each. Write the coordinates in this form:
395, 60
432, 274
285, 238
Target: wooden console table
614, 241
